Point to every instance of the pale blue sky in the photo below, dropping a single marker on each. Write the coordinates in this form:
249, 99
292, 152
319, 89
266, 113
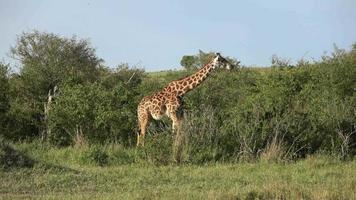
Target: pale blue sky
155, 34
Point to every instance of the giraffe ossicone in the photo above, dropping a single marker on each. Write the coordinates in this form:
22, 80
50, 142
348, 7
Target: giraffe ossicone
168, 101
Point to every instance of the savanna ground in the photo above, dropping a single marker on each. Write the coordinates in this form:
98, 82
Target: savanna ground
32, 172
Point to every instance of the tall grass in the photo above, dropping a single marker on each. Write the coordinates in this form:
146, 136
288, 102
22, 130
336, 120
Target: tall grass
113, 172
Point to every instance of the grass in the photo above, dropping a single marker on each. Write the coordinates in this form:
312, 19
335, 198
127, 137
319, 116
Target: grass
70, 173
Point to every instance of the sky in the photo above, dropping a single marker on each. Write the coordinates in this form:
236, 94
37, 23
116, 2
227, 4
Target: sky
155, 34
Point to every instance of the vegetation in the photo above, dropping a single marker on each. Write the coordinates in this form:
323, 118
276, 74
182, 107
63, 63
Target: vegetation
63, 95
42, 172
194, 62
68, 125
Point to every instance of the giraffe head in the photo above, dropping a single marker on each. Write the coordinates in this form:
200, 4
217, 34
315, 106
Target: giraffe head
221, 62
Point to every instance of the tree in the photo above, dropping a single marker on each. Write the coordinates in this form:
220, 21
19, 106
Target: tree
4, 95
47, 61
189, 62
193, 62
204, 58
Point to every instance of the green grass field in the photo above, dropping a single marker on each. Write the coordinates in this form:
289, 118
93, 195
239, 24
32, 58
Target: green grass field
59, 174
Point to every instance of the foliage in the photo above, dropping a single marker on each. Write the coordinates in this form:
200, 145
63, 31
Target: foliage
102, 111
189, 62
193, 62
47, 61
4, 96
274, 114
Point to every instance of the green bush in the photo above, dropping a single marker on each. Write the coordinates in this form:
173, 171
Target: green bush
97, 112
242, 114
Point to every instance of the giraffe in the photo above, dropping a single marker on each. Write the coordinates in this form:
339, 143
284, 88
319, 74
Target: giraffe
168, 101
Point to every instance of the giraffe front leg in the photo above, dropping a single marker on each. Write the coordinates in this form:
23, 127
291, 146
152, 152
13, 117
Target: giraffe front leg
138, 139
175, 112
143, 122
177, 127
175, 123
178, 139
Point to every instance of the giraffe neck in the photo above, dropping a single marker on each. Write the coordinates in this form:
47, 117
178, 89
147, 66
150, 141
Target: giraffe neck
187, 84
